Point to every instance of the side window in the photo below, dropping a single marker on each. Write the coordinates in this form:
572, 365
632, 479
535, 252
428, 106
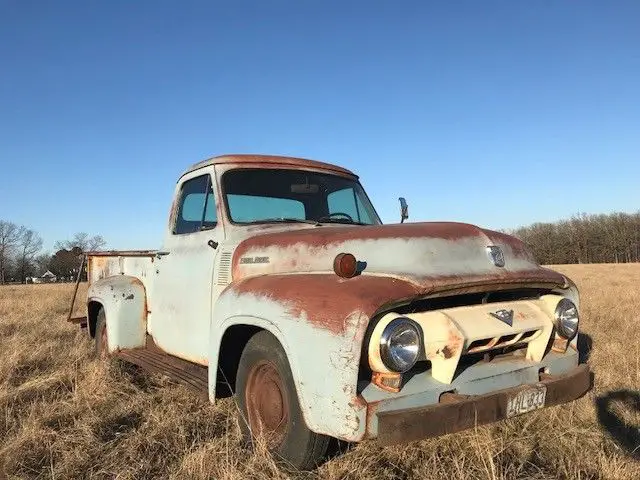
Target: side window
197, 208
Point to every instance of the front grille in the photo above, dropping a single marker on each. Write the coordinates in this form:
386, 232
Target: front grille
506, 339
479, 344
502, 341
528, 335
504, 353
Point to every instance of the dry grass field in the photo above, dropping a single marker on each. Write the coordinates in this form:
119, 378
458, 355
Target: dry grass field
64, 415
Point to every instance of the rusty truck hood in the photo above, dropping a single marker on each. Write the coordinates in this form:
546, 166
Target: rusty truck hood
430, 256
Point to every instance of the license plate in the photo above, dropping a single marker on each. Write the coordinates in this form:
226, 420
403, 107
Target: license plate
526, 400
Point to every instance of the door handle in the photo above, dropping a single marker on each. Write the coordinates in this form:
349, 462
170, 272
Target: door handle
162, 254
213, 244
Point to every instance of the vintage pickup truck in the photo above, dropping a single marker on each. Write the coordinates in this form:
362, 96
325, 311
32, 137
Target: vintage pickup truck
278, 283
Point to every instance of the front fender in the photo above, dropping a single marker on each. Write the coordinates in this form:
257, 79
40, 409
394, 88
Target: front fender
222, 325
323, 341
124, 300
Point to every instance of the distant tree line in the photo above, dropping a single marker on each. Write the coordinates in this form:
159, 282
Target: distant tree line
603, 238
21, 254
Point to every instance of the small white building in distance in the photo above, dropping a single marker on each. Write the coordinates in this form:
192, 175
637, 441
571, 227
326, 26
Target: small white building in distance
47, 277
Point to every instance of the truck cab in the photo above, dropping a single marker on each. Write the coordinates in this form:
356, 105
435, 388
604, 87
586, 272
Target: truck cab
222, 202
278, 283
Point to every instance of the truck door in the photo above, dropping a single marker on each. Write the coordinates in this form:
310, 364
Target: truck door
181, 311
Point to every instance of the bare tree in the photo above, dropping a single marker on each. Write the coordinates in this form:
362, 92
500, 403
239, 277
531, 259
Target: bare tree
9, 238
83, 241
41, 263
30, 244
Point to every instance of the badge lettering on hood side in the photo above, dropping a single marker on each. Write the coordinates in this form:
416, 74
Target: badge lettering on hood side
252, 260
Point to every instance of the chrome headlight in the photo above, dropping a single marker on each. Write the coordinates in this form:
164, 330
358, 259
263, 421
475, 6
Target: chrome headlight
566, 319
400, 344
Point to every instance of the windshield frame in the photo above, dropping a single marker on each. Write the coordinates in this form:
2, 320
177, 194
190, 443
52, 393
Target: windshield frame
229, 218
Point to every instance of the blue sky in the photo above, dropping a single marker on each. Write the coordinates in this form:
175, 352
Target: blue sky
495, 113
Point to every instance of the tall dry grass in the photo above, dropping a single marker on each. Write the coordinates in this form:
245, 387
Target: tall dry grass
64, 415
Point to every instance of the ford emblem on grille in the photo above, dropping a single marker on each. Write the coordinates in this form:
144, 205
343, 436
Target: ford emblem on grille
495, 255
505, 316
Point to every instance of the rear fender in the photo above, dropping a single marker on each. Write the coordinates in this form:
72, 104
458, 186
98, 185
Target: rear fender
124, 301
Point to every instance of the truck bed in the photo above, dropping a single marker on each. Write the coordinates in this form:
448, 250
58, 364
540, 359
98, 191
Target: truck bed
136, 263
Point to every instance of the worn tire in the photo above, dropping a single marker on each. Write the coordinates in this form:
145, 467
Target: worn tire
100, 337
265, 387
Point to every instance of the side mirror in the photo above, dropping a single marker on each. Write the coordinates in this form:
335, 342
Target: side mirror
404, 210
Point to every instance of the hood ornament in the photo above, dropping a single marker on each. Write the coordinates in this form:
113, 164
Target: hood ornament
505, 316
496, 255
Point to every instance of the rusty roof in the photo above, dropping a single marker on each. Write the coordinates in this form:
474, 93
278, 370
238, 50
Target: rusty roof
266, 161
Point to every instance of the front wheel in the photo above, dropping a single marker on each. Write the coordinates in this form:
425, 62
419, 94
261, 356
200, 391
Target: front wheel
268, 401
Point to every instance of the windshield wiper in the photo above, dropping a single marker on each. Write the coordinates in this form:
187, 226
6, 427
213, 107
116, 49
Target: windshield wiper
317, 223
286, 220
344, 221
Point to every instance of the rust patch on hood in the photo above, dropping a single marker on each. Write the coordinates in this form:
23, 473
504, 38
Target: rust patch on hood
326, 301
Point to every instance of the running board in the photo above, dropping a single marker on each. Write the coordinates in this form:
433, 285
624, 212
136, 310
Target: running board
154, 360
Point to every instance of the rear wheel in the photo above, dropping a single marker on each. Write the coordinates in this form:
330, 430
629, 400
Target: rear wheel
101, 346
268, 400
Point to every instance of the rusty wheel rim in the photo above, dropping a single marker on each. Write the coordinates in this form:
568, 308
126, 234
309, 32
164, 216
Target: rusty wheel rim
267, 405
104, 343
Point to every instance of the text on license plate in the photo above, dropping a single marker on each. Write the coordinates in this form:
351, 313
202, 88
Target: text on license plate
526, 400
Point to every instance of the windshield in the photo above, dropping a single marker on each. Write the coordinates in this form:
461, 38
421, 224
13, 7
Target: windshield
279, 195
